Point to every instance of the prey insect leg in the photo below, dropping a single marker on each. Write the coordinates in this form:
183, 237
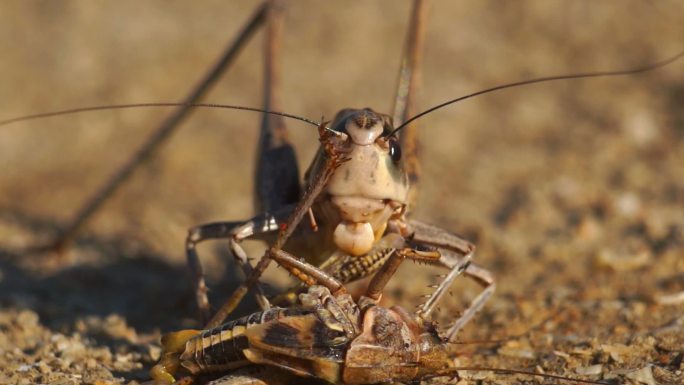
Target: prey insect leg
455, 254
380, 279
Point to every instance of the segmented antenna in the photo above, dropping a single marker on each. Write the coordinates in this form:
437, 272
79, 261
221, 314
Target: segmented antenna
646, 68
152, 105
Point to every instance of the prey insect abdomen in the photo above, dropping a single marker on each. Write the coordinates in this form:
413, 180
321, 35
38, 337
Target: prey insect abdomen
221, 348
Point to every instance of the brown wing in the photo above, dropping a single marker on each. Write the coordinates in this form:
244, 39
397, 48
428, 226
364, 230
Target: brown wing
300, 344
302, 336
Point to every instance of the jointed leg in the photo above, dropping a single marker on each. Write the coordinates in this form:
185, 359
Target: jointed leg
456, 254
407, 90
380, 279
484, 278
277, 173
310, 275
428, 306
331, 143
235, 232
423, 234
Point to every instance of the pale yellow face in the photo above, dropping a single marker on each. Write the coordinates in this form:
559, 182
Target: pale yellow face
369, 189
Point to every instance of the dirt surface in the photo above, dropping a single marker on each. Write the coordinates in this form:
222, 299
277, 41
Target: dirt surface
573, 191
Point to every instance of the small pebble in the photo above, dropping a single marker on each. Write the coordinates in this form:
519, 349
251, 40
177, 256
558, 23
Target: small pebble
643, 375
590, 370
624, 261
154, 352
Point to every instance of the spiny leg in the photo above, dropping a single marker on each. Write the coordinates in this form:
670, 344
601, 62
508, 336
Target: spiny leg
348, 268
480, 275
160, 134
309, 275
484, 278
453, 251
277, 173
408, 87
428, 306
456, 254
380, 279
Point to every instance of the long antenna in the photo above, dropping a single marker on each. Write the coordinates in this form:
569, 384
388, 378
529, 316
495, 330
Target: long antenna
646, 68
515, 371
151, 105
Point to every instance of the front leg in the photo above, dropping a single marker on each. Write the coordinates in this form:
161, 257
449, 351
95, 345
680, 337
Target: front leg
452, 247
234, 232
333, 144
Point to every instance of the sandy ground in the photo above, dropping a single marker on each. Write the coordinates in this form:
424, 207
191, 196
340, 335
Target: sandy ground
573, 191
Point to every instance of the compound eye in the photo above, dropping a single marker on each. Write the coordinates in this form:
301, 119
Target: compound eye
394, 150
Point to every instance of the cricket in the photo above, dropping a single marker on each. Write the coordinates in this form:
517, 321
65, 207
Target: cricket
569, 188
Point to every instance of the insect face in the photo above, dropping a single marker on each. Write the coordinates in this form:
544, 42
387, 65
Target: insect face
370, 189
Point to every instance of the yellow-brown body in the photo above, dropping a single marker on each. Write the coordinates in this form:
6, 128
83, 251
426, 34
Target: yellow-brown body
325, 337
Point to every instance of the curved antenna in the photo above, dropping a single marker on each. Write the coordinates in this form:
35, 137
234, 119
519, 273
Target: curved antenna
151, 105
646, 68
513, 371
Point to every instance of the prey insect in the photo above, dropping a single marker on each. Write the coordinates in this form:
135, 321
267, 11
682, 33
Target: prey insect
326, 336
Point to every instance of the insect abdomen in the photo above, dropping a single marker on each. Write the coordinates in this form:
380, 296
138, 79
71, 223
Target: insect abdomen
221, 348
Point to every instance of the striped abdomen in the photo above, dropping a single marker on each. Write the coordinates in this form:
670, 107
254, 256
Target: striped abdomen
221, 348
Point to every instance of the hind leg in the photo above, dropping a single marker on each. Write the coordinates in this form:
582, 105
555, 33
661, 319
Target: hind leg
277, 174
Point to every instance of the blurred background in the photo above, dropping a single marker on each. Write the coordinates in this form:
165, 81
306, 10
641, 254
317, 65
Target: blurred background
572, 190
